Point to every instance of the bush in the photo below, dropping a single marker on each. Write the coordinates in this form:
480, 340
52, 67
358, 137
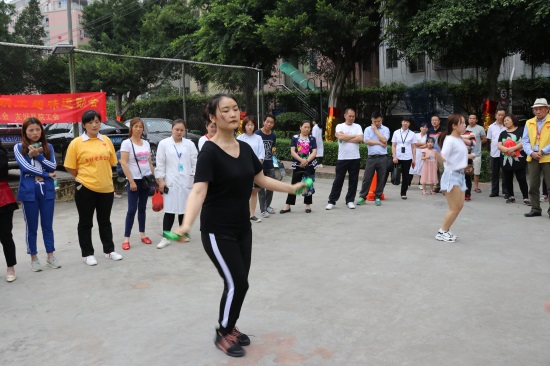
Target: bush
330, 155
290, 121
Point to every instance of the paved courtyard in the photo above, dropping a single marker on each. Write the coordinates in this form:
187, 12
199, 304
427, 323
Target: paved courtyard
369, 286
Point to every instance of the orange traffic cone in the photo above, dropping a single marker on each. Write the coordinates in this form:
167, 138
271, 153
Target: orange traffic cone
370, 196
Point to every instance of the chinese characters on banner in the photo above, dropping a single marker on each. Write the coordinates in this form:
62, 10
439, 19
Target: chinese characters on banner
51, 108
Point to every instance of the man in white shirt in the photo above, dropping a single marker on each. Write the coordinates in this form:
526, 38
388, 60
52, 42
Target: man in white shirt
404, 153
493, 132
480, 138
349, 135
317, 132
376, 137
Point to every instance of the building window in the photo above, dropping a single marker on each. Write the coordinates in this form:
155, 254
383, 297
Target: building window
79, 18
391, 58
417, 63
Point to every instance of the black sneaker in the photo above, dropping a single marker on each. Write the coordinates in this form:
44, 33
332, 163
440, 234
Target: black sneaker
243, 339
229, 344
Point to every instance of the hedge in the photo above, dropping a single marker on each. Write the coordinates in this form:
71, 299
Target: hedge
331, 156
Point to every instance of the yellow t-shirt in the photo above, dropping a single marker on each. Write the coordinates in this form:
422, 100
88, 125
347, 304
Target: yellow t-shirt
93, 158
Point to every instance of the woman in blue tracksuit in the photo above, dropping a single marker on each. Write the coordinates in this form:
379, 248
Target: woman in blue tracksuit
36, 188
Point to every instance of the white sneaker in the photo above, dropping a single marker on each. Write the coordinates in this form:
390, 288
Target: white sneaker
163, 243
445, 236
114, 256
265, 214
351, 205
90, 260
453, 235
330, 206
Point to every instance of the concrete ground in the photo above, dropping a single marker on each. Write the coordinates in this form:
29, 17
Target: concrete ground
369, 286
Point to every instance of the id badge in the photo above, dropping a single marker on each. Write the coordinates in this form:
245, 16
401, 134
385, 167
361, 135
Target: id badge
180, 167
402, 149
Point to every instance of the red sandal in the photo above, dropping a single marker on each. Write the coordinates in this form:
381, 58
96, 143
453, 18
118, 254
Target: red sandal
126, 245
146, 240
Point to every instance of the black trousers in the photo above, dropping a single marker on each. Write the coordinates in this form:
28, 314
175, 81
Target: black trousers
231, 254
88, 202
6, 238
168, 221
378, 164
521, 176
342, 167
406, 177
496, 165
468, 179
297, 175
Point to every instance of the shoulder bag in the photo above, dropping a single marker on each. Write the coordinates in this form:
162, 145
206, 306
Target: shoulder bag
147, 181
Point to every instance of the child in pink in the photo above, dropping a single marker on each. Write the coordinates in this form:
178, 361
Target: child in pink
429, 166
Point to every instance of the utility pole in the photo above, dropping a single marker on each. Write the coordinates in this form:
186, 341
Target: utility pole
72, 76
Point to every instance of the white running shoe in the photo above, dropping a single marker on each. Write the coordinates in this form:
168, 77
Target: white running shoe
265, 214
114, 256
351, 205
330, 206
453, 235
163, 243
90, 260
445, 236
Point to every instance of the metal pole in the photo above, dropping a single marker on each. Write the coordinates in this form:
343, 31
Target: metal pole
320, 101
183, 92
258, 97
511, 79
72, 76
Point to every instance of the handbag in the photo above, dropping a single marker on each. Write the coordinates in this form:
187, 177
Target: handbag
395, 176
147, 181
158, 201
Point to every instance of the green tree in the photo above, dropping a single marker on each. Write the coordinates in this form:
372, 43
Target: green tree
458, 33
11, 80
229, 35
114, 26
536, 27
344, 32
28, 27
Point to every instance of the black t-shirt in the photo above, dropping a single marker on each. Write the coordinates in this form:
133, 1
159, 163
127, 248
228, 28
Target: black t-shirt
517, 160
225, 208
269, 143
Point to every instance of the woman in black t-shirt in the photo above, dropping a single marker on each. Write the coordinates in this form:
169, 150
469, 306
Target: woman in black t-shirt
513, 158
226, 170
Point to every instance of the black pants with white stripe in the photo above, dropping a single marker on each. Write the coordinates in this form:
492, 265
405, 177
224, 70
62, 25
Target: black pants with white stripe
231, 254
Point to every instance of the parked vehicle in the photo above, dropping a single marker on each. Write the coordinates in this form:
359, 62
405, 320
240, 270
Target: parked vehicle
60, 136
157, 129
10, 135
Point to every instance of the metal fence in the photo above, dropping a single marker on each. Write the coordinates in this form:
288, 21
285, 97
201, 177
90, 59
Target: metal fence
135, 85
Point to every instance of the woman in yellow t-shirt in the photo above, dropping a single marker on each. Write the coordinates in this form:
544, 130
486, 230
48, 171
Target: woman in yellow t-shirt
90, 159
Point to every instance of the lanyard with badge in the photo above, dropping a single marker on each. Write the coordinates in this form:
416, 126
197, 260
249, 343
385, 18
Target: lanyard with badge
403, 140
179, 154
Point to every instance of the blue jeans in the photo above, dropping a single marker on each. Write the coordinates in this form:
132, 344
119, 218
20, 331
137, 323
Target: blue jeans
137, 201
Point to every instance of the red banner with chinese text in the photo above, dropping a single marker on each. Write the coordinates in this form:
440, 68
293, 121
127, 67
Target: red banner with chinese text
51, 108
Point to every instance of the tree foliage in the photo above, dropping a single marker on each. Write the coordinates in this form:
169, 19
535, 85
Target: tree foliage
116, 26
344, 31
467, 33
